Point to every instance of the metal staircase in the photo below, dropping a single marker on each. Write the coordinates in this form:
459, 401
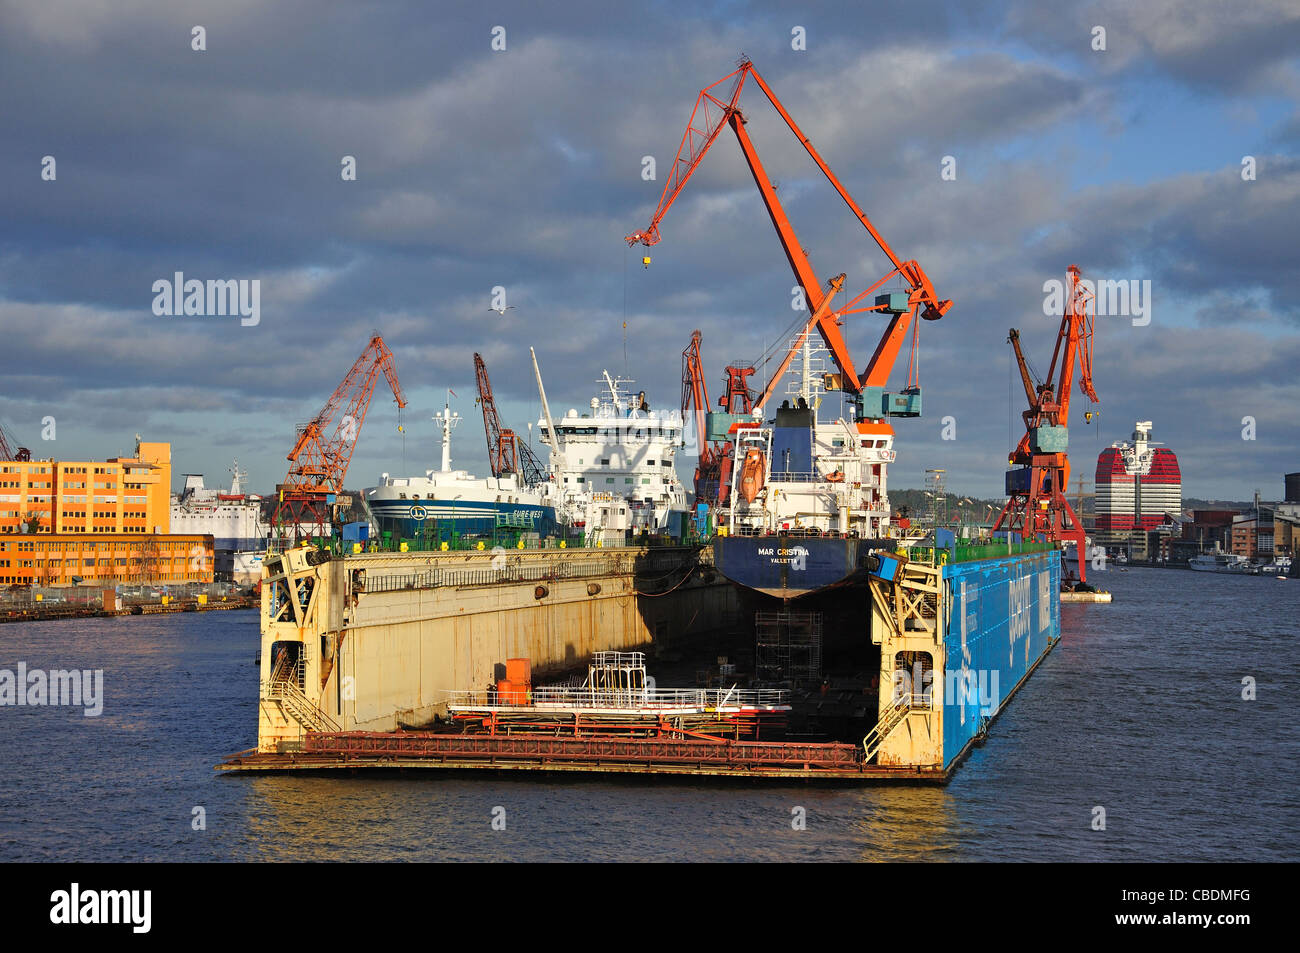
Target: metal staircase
891, 719
284, 689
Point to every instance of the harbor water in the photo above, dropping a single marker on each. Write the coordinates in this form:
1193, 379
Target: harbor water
1138, 712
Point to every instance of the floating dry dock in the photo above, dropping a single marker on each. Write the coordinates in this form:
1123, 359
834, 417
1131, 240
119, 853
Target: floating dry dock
363, 655
351, 751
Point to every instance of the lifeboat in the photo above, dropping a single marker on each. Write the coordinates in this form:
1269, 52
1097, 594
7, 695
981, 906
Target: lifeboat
752, 475
836, 477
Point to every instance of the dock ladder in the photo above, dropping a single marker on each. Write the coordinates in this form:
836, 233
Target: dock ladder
891, 719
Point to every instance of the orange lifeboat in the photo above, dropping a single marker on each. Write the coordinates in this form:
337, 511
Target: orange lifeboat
836, 477
752, 475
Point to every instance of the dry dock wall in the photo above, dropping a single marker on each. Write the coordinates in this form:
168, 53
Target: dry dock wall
377, 640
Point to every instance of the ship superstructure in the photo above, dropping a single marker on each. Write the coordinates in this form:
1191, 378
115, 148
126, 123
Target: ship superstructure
233, 519
613, 467
807, 471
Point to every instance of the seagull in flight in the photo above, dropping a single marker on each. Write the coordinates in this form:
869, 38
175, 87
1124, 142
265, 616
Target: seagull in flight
502, 311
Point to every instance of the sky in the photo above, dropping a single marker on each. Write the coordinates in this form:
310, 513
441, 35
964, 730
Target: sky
1169, 157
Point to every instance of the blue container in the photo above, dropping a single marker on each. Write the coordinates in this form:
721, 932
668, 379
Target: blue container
1018, 480
1049, 439
905, 404
894, 303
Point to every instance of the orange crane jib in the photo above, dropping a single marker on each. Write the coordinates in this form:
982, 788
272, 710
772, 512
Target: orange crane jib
325, 444
710, 114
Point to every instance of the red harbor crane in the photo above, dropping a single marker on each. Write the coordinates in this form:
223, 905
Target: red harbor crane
320, 456
710, 115
713, 473
506, 453
1036, 505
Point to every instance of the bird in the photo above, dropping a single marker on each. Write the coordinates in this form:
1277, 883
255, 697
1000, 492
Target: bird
502, 311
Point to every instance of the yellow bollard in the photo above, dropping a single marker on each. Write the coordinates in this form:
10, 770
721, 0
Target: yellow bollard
402, 547
443, 546
480, 546
521, 545
563, 544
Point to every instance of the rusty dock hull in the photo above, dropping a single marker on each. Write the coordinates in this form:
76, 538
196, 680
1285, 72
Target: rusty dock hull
353, 751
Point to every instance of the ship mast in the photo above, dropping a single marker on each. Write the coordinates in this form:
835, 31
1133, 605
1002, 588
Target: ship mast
446, 420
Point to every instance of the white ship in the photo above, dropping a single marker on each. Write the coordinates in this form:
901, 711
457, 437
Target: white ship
233, 519
1219, 562
613, 468
447, 501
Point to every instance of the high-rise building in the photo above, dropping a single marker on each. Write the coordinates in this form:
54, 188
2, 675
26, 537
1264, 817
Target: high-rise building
1139, 488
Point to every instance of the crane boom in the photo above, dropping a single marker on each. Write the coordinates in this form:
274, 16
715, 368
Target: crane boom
501, 456
506, 453
9, 448
324, 446
708, 117
323, 450
695, 394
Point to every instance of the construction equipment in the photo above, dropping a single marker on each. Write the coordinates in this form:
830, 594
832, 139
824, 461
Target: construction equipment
710, 114
308, 498
507, 454
695, 397
1040, 475
713, 472
9, 448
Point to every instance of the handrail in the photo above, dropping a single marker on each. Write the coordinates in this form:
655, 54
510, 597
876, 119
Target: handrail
560, 697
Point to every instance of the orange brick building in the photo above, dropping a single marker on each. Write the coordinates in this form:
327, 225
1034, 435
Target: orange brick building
102, 522
62, 559
123, 495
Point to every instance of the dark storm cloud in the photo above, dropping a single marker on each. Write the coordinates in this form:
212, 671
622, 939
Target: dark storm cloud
1212, 46
522, 169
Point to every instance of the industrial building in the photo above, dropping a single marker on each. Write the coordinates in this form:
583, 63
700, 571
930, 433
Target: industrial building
66, 559
118, 496
95, 522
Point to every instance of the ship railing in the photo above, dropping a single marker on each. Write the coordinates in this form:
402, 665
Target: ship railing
559, 697
794, 476
911, 699
534, 571
798, 531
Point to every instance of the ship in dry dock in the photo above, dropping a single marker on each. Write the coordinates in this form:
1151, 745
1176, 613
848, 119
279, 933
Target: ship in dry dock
403, 659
